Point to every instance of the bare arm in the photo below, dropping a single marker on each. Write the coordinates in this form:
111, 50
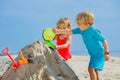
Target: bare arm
64, 45
62, 31
105, 44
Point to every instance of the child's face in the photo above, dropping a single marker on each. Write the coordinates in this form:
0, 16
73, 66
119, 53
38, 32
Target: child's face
62, 26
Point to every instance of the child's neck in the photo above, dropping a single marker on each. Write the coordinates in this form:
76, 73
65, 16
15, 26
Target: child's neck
84, 27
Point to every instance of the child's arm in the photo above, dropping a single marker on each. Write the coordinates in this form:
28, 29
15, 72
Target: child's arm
64, 45
105, 44
62, 31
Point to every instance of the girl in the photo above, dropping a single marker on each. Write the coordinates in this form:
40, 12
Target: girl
63, 40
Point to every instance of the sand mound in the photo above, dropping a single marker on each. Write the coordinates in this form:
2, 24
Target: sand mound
44, 64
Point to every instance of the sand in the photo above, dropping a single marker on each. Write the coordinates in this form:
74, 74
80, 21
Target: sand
111, 69
79, 64
5, 63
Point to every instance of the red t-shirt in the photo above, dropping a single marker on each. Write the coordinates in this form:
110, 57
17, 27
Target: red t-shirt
64, 52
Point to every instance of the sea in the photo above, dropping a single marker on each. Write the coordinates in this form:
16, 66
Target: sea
80, 53
85, 53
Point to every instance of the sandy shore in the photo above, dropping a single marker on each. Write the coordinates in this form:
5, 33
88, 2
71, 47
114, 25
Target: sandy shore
111, 70
5, 63
79, 64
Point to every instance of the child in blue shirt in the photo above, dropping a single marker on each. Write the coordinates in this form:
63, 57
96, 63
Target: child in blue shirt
95, 43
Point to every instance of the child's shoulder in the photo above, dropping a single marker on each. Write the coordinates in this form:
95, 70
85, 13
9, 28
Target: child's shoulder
95, 29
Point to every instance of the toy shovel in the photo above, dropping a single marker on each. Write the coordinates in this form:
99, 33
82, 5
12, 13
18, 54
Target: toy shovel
15, 64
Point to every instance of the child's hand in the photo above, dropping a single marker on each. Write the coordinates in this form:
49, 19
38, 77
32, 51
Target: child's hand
54, 30
107, 57
57, 47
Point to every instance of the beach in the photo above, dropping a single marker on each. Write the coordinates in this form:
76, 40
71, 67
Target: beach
79, 64
111, 69
5, 63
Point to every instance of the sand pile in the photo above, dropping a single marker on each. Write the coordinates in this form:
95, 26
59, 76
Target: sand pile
44, 64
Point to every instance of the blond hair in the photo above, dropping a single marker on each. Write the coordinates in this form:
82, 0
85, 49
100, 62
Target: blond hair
85, 17
64, 22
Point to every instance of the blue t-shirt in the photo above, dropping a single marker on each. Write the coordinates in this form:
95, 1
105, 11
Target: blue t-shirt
92, 39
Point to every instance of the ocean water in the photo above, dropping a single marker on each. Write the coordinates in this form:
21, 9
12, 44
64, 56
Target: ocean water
85, 53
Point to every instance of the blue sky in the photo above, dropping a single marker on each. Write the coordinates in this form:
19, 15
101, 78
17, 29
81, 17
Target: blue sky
22, 21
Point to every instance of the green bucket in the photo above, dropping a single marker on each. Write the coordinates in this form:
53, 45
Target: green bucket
48, 34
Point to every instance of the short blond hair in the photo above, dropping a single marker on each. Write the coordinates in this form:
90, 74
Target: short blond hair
85, 17
64, 22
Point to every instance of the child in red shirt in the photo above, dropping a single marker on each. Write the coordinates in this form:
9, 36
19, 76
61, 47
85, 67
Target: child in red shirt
63, 40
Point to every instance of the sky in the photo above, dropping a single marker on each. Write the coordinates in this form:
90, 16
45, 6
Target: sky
22, 21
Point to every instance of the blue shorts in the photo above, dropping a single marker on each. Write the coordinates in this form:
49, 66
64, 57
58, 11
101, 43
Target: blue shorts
97, 61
